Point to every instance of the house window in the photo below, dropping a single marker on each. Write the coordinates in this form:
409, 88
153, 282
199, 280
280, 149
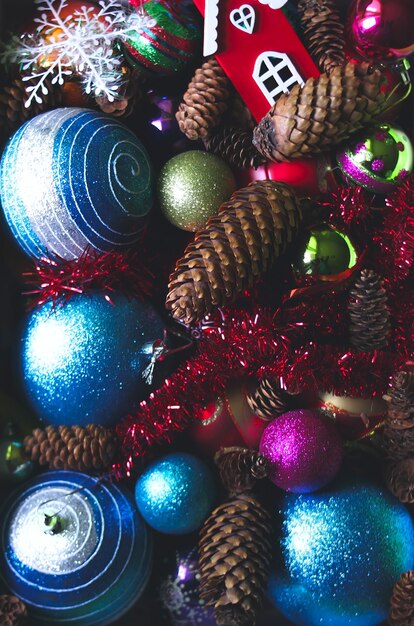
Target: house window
275, 73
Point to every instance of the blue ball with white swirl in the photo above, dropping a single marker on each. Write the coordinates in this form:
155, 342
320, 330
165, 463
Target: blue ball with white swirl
176, 494
342, 551
72, 179
90, 565
82, 362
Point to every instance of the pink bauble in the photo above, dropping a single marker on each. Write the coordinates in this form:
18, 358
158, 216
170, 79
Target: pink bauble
381, 29
305, 450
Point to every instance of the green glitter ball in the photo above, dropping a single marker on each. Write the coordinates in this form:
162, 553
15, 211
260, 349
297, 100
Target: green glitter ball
191, 188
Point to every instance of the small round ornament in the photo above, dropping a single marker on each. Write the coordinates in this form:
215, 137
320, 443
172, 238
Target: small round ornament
179, 593
82, 362
324, 253
304, 449
192, 186
381, 29
354, 417
14, 463
342, 551
379, 160
167, 39
175, 494
75, 549
71, 179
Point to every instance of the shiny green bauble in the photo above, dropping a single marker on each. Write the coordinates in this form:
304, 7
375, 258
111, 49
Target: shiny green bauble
379, 160
191, 188
14, 463
324, 253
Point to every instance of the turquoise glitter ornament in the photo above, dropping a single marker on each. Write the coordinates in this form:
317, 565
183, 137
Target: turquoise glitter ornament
73, 178
175, 494
82, 362
343, 549
74, 549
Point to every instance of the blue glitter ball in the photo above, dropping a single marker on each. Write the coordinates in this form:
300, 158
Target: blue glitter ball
343, 550
82, 362
175, 494
73, 178
90, 567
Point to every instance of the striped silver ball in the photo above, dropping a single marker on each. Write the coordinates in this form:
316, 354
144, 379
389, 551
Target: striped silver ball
73, 178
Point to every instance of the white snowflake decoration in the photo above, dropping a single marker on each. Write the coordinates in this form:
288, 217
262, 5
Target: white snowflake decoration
83, 42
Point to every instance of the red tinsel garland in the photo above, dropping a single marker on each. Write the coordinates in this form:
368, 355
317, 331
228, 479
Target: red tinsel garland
300, 345
57, 280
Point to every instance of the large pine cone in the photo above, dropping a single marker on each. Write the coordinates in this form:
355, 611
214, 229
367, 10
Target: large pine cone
13, 611
205, 101
240, 468
234, 145
235, 553
402, 601
76, 448
323, 32
400, 480
369, 313
13, 98
398, 443
322, 113
235, 247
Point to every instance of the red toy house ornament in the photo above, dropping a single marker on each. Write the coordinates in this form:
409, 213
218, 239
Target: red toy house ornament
257, 47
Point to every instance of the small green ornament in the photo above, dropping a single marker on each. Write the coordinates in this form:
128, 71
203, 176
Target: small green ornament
14, 464
191, 188
324, 254
378, 160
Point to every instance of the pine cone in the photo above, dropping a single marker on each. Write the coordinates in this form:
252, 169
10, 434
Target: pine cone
76, 448
323, 32
13, 611
400, 399
235, 247
398, 443
240, 468
321, 114
205, 101
130, 95
238, 114
13, 98
268, 400
234, 145
369, 313
402, 601
235, 553
400, 480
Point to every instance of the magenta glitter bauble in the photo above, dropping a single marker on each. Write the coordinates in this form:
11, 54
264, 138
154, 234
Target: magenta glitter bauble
381, 29
305, 450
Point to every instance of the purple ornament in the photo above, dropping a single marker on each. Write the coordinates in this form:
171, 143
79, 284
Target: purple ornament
179, 593
305, 450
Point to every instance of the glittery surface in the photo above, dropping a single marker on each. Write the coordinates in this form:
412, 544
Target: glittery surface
91, 571
179, 593
343, 549
166, 45
82, 362
377, 159
192, 186
72, 178
305, 451
176, 494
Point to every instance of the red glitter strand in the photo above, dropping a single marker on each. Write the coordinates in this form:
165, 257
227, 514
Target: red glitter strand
57, 280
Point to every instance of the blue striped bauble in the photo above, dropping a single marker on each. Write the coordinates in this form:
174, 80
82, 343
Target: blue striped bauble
90, 567
73, 178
